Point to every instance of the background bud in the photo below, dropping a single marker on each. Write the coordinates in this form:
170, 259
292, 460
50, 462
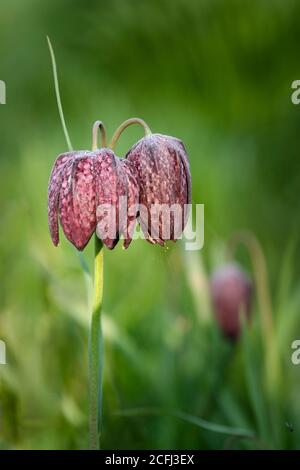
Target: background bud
231, 292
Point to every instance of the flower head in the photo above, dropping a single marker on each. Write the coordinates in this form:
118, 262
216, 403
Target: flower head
84, 191
97, 191
162, 170
231, 292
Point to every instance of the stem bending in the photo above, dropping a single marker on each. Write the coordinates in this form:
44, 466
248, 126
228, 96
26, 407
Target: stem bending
126, 124
98, 125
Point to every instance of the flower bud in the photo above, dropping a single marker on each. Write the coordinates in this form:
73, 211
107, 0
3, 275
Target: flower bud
231, 293
162, 170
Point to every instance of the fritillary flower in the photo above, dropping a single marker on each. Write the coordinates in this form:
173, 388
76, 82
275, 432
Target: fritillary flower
162, 171
84, 192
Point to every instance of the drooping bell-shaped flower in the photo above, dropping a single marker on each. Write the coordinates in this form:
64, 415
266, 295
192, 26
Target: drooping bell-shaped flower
129, 200
84, 192
117, 197
231, 293
77, 198
162, 169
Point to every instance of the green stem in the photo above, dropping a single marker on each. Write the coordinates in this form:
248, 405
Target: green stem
96, 350
95, 340
126, 124
264, 303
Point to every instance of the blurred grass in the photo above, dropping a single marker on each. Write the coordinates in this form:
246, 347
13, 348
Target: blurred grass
217, 75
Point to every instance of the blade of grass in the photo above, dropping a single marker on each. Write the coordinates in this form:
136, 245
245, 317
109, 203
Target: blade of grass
57, 94
82, 260
201, 423
254, 383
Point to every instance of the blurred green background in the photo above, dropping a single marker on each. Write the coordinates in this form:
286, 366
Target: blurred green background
218, 75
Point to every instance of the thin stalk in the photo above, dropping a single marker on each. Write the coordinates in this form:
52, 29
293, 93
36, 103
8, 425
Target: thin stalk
264, 303
57, 94
201, 423
98, 125
67, 137
261, 279
96, 350
126, 124
95, 339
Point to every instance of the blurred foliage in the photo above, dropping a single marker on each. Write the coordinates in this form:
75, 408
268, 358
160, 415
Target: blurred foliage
218, 75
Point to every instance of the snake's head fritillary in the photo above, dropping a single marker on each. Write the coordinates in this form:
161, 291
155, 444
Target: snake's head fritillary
117, 199
162, 170
85, 192
72, 197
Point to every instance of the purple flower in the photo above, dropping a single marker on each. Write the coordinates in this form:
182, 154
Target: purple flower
231, 292
84, 191
117, 199
162, 169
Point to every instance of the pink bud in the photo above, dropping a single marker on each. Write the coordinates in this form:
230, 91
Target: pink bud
231, 292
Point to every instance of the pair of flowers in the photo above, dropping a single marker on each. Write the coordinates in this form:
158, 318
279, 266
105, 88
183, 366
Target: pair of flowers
86, 189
